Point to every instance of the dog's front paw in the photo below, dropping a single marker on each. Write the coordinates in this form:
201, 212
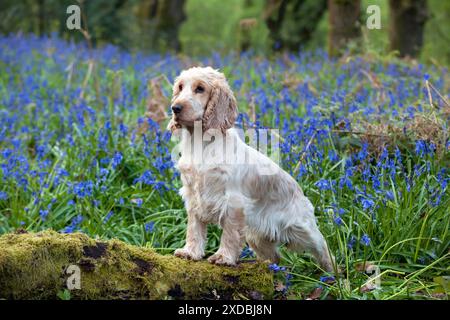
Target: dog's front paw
187, 254
222, 259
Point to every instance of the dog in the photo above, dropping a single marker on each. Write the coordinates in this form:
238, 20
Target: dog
265, 210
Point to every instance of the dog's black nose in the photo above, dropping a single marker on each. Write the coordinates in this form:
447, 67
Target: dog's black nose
177, 108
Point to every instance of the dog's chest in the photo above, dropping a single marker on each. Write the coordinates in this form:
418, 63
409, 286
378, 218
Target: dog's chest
204, 190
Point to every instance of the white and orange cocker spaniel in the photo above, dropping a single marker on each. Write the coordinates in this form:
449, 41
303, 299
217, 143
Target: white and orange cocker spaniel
265, 208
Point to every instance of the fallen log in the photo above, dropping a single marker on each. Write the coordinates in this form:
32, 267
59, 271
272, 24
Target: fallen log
42, 265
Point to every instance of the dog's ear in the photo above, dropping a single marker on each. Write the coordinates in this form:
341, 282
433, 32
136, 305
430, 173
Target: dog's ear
221, 109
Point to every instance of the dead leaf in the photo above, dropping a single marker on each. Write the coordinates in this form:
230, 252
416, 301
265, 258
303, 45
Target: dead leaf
279, 286
366, 266
248, 23
368, 287
157, 103
315, 294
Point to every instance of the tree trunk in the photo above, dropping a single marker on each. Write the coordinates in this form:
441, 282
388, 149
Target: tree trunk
306, 16
274, 13
291, 23
407, 22
41, 17
344, 24
39, 266
168, 15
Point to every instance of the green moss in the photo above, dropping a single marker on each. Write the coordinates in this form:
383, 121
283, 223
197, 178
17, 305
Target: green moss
33, 266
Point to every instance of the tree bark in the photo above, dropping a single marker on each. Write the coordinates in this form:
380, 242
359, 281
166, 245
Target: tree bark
41, 17
344, 24
291, 23
168, 16
407, 22
36, 266
274, 13
307, 15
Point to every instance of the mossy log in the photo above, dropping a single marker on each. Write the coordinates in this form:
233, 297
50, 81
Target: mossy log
36, 265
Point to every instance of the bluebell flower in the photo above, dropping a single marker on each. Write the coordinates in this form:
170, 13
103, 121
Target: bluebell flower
116, 160
149, 227
288, 279
76, 221
351, 242
338, 220
108, 216
43, 214
3, 195
137, 201
83, 189
345, 181
123, 129
247, 253
276, 268
389, 195
365, 240
423, 148
323, 184
105, 161
333, 156
367, 203
327, 279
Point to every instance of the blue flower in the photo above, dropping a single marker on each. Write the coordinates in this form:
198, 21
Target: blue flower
76, 221
423, 149
288, 279
323, 184
137, 201
3, 195
108, 216
338, 220
276, 268
351, 242
247, 253
390, 195
149, 227
367, 203
327, 279
83, 189
116, 160
43, 214
365, 240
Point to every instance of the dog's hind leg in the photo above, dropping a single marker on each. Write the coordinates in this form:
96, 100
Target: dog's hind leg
310, 239
264, 249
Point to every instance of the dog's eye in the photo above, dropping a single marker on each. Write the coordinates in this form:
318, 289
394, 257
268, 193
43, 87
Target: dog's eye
199, 89
180, 87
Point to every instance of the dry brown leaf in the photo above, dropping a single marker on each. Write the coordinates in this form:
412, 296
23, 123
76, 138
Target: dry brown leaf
367, 266
315, 294
247, 23
279, 286
156, 104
